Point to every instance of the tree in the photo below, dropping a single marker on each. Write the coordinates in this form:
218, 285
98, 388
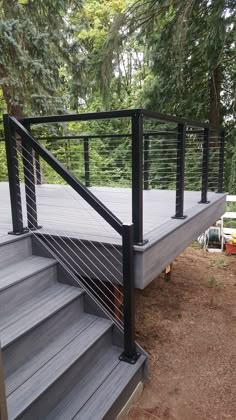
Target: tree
36, 43
192, 50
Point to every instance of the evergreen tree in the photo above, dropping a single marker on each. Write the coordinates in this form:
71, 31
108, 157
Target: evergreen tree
36, 43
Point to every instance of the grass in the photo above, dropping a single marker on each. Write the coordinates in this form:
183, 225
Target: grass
219, 262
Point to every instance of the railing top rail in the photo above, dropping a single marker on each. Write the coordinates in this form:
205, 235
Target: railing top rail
86, 194
124, 113
110, 115
171, 118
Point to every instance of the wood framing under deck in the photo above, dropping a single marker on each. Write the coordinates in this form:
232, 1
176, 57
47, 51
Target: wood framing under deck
62, 212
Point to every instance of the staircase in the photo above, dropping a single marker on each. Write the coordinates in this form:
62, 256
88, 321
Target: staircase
60, 355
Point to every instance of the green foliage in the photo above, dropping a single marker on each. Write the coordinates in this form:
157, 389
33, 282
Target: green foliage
34, 43
73, 55
216, 284
219, 262
211, 281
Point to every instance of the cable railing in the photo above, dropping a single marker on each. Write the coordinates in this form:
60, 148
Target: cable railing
105, 271
150, 151
72, 191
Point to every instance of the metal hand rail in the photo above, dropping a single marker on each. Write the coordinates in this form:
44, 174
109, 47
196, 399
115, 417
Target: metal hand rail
29, 144
91, 199
140, 157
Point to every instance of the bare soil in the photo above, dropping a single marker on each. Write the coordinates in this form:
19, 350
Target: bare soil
188, 328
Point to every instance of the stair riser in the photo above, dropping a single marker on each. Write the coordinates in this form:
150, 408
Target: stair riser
28, 346
123, 397
14, 252
17, 294
88, 260
47, 402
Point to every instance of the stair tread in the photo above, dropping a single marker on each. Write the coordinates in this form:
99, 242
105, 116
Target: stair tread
34, 311
38, 383
77, 397
8, 239
34, 363
23, 269
105, 396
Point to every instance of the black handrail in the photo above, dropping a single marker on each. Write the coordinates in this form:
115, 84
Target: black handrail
132, 233
125, 113
140, 174
13, 126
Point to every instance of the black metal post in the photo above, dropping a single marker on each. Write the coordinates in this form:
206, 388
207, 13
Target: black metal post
38, 176
179, 210
221, 162
205, 164
129, 354
13, 177
86, 162
29, 174
146, 164
38, 173
137, 177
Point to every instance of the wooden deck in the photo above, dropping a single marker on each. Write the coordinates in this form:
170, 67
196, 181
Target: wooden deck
61, 211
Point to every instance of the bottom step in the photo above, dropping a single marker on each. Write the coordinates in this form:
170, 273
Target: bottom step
114, 392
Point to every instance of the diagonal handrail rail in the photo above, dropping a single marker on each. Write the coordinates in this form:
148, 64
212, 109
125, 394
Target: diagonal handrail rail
86, 194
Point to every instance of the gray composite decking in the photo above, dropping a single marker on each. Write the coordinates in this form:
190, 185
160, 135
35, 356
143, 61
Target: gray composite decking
60, 359
62, 212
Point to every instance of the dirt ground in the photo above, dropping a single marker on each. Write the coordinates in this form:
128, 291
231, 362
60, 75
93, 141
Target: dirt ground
188, 328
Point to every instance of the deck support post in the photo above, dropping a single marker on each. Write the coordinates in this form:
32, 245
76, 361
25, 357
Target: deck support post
146, 163
221, 162
137, 177
86, 162
179, 204
205, 160
13, 177
129, 354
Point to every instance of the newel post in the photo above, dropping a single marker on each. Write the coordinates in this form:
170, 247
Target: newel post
179, 204
129, 354
13, 177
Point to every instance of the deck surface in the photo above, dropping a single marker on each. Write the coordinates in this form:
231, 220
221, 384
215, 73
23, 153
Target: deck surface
61, 211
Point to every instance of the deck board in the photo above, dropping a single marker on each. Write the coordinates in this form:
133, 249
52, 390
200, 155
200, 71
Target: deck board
61, 210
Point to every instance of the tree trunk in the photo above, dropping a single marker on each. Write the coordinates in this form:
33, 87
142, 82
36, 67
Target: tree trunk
15, 110
215, 111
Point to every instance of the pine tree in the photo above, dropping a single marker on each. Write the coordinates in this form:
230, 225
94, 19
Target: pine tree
36, 43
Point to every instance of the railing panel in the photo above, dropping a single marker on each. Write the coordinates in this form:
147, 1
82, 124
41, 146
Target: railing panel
97, 258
